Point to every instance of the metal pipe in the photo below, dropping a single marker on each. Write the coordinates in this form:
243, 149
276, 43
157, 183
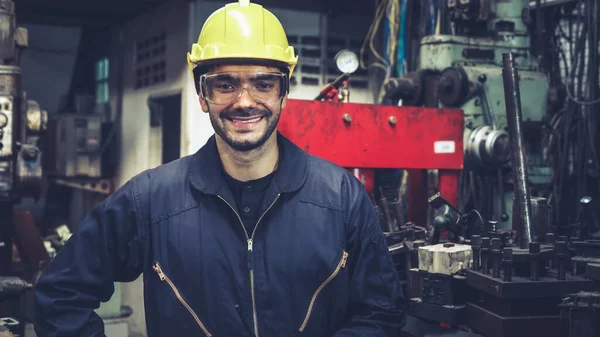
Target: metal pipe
512, 97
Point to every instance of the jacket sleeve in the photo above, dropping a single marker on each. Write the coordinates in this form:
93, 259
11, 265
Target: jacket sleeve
108, 247
375, 291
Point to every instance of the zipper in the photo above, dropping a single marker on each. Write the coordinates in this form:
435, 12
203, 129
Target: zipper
163, 277
341, 264
250, 262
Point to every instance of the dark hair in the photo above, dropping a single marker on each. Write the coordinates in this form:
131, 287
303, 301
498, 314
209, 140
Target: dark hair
207, 67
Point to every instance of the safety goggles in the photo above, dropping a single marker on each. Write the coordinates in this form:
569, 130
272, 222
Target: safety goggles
225, 88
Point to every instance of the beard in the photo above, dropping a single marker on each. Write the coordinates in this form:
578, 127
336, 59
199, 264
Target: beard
220, 123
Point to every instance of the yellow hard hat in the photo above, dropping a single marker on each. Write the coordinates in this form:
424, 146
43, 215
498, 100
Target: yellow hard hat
242, 31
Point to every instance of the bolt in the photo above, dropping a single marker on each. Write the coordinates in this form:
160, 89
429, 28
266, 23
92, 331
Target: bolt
534, 252
496, 257
414, 255
347, 118
393, 120
507, 260
485, 252
476, 245
560, 250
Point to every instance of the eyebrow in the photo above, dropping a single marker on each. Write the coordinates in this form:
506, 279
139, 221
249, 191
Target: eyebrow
225, 77
264, 77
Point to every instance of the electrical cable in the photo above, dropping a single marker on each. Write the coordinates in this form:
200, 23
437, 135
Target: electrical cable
369, 40
401, 69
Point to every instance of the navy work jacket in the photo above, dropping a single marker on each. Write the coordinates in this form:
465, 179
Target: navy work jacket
316, 265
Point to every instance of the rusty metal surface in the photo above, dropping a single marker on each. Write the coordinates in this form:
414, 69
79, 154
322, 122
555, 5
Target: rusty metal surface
448, 185
376, 136
29, 240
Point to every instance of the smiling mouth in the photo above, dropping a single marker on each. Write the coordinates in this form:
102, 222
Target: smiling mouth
245, 120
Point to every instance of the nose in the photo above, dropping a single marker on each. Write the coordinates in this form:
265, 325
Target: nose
245, 101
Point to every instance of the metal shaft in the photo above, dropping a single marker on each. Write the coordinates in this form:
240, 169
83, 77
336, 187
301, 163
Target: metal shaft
534, 254
476, 244
560, 250
507, 264
512, 96
496, 257
485, 254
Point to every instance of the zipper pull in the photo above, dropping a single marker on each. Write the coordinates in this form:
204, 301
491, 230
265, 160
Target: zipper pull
344, 258
159, 271
250, 263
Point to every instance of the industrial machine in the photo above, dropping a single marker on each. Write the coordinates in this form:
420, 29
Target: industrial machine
516, 282
473, 276
463, 69
22, 122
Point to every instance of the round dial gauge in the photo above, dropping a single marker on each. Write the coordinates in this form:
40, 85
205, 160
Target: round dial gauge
3, 120
347, 61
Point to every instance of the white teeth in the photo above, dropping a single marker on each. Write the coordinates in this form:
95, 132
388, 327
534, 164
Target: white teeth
246, 121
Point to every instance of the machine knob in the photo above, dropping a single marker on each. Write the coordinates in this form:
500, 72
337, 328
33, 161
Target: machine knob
29, 153
441, 222
453, 87
3, 120
407, 88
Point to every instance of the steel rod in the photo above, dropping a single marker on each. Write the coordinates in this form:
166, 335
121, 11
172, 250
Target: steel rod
512, 96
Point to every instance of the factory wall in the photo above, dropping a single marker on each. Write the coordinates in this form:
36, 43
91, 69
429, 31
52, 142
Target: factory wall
140, 144
47, 65
46, 70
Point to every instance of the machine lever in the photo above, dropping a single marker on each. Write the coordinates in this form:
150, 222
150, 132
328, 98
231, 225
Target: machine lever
488, 115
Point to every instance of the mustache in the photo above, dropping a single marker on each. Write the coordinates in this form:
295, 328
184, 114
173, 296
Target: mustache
228, 114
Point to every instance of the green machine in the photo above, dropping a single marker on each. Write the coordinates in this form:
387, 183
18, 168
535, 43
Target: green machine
466, 68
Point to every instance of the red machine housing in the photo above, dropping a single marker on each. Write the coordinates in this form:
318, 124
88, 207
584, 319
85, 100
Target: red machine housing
370, 136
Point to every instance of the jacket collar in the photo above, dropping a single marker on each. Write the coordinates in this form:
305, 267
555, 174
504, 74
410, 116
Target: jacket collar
205, 171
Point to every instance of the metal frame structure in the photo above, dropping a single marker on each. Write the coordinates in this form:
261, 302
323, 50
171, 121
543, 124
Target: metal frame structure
370, 136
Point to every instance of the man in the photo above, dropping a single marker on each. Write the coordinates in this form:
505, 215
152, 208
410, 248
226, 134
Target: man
250, 236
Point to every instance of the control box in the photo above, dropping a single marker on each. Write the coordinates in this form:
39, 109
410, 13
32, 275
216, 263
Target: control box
6, 146
78, 145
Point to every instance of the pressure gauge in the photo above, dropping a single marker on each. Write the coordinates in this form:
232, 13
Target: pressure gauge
3, 120
346, 61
